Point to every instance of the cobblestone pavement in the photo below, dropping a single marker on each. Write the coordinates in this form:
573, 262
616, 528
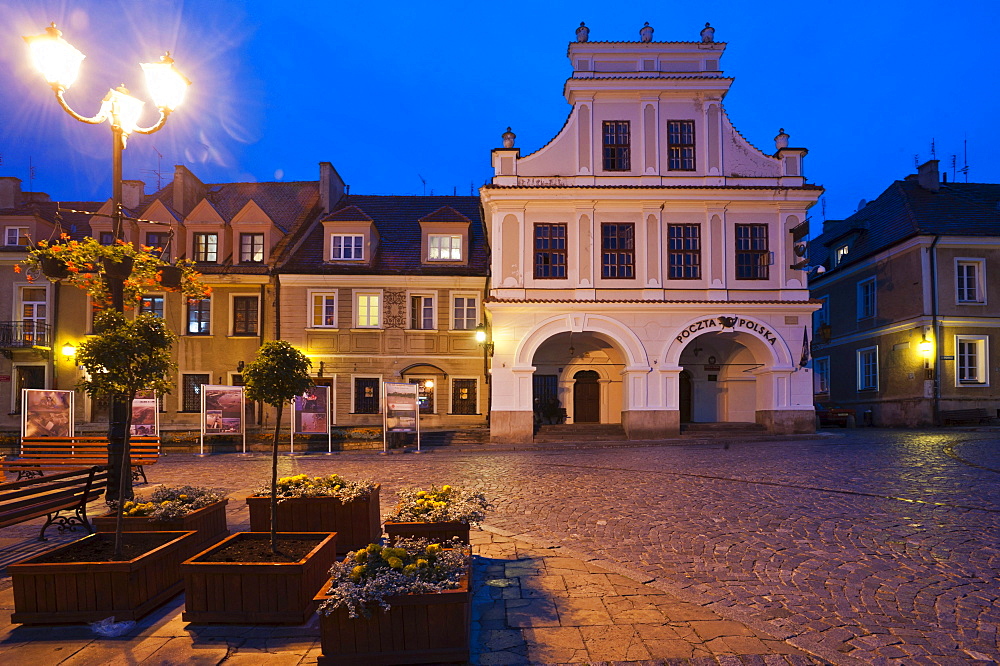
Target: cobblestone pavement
859, 547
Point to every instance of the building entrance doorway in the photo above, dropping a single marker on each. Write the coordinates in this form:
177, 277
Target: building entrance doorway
684, 392
717, 384
586, 397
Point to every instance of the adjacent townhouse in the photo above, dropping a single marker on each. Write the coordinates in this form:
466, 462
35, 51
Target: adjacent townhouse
907, 330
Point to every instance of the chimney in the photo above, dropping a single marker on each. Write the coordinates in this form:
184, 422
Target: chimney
188, 190
331, 186
132, 193
10, 192
928, 177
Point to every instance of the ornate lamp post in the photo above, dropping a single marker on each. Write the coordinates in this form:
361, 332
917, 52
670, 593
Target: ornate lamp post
59, 63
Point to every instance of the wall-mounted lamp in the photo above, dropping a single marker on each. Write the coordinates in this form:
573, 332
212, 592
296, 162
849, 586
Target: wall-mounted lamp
926, 348
240, 366
481, 339
69, 352
322, 369
429, 384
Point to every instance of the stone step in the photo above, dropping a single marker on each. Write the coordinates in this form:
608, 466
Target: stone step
722, 427
580, 432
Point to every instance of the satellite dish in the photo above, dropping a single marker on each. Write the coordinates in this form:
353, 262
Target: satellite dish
820, 270
862, 204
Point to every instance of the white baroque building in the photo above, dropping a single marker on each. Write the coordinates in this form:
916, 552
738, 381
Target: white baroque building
644, 264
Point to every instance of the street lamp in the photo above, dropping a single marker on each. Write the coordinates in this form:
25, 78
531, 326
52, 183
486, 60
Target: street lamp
59, 63
487, 353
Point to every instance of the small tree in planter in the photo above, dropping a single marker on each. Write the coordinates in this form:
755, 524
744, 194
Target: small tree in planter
278, 373
123, 358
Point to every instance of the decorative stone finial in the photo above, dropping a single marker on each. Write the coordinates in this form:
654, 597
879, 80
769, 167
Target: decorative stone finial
707, 34
646, 33
508, 139
781, 141
582, 33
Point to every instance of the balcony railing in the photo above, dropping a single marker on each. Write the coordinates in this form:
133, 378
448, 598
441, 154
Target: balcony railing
24, 335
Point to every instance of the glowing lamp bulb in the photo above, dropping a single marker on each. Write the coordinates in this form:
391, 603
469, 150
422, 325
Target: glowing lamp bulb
166, 84
56, 59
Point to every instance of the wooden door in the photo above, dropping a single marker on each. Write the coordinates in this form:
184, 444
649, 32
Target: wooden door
586, 397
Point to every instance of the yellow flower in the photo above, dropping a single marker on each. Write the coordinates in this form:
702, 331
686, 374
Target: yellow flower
395, 563
165, 503
433, 549
410, 568
129, 505
446, 489
421, 493
361, 556
183, 497
422, 563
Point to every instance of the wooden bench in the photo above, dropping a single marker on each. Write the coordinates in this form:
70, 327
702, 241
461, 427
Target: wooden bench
50, 496
975, 415
52, 453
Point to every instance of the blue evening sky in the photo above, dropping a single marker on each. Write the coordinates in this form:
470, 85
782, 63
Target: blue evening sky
392, 92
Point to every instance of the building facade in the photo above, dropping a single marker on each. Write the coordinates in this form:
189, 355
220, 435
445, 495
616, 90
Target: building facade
907, 328
644, 269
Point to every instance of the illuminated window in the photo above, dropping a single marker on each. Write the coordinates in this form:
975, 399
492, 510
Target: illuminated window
369, 311
422, 312
840, 254
191, 391
206, 247
366, 395
245, 315
444, 248
151, 304
16, 236
34, 308
251, 248
324, 310
199, 314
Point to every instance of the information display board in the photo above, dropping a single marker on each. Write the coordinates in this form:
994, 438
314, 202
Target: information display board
47, 413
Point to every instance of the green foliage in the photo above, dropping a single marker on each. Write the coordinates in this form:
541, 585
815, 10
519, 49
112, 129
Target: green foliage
278, 373
126, 356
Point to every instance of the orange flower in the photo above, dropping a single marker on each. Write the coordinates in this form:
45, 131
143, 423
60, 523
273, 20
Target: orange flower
64, 236
17, 268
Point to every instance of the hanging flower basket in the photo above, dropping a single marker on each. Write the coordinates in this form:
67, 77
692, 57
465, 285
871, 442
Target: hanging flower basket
53, 268
119, 269
170, 277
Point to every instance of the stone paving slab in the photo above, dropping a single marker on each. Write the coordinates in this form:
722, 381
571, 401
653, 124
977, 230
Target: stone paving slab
868, 547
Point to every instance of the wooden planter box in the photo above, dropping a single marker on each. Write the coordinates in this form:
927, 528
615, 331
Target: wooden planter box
443, 531
208, 522
417, 629
357, 523
61, 592
256, 592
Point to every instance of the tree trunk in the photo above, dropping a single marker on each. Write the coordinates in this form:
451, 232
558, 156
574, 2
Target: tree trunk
124, 480
274, 479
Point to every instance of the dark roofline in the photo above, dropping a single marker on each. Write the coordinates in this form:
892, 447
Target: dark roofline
492, 186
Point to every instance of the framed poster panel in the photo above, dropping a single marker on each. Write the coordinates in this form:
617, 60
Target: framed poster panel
145, 415
312, 411
47, 413
222, 409
401, 405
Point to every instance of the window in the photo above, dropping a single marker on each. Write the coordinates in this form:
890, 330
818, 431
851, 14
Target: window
206, 247
821, 375
822, 316
324, 310
444, 248
618, 250
199, 317
34, 307
463, 396
245, 315
466, 314
969, 279
425, 395
550, 251
251, 248
680, 145
866, 298
421, 312
151, 304
16, 236
107, 238
160, 242
369, 313
347, 247
366, 395
191, 392
684, 253
868, 369
970, 354
840, 254
752, 255
616, 145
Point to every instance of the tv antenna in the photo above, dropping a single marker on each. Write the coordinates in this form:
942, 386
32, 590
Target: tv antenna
424, 182
32, 174
965, 159
158, 171
933, 151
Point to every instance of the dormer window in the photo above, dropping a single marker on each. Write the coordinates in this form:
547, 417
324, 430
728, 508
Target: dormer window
616, 145
347, 247
841, 253
106, 238
206, 247
251, 248
442, 247
16, 236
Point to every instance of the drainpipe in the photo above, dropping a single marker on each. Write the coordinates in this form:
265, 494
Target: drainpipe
936, 404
